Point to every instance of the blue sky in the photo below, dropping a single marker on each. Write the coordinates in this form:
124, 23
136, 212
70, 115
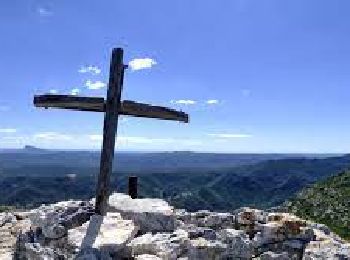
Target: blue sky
276, 72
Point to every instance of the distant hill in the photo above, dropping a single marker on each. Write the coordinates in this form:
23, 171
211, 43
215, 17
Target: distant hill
187, 180
326, 202
36, 162
263, 185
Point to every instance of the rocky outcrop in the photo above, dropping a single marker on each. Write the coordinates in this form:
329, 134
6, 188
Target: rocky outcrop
54, 220
148, 229
150, 215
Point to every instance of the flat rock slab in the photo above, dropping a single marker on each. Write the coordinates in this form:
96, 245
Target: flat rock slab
150, 215
108, 234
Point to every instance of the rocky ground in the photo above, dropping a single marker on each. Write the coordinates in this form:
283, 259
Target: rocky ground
152, 229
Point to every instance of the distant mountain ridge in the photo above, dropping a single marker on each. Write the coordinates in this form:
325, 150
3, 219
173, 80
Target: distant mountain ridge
187, 180
131, 162
135, 162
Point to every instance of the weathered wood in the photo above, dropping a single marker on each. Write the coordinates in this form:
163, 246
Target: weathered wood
95, 104
132, 108
132, 187
112, 107
109, 130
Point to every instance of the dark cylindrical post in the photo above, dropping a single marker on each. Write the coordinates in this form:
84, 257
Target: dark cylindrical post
132, 189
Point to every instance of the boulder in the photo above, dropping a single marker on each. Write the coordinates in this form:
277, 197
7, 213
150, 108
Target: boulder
204, 249
7, 218
54, 220
238, 242
11, 230
106, 236
34, 251
326, 249
204, 218
163, 245
150, 215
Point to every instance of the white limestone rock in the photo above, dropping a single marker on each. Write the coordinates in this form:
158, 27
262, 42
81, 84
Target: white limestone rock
205, 218
6, 256
321, 227
151, 215
108, 235
11, 229
327, 249
7, 218
164, 245
274, 256
55, 219
65, 232
270, 232
34, 251
201, 248
239, 244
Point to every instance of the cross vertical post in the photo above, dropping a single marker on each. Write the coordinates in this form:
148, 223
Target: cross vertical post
112, 107
109, 130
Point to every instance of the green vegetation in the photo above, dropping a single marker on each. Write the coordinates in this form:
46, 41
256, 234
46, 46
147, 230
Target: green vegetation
194, 181
4, 208
326, 202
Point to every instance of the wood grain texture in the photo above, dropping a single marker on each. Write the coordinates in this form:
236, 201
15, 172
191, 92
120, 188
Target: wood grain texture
95, 104
132, 108
109, 130
112, 107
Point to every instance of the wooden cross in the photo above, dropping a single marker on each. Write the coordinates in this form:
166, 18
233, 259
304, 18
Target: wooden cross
112, 107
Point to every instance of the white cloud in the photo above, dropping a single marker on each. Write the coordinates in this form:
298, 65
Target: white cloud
12, 141
8, 130
134, 139
125, 140
44, 12
94, 85
90, 69
52, 136
53, 91
140, 64
75, 91
231, 135
95, 137
56, 140
184, 102
212, 101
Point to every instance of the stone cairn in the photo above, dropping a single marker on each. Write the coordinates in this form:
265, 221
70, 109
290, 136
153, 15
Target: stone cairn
150, 229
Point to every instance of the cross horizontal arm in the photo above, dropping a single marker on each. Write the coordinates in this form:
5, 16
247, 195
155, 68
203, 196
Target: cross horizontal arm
96, 104
132, 108
93, 104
